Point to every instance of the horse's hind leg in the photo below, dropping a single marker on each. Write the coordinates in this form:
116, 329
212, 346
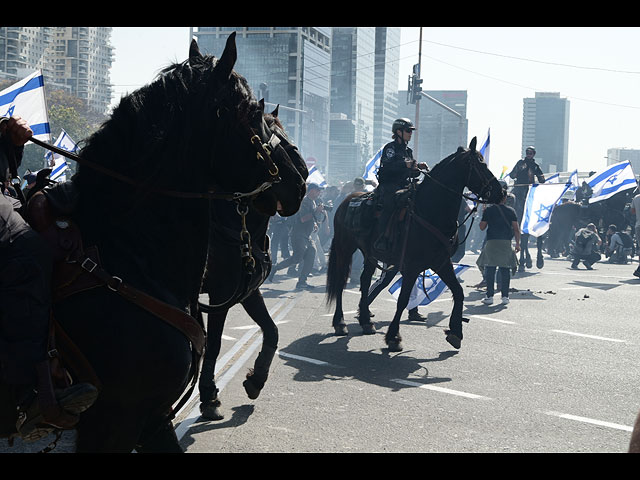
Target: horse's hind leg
364, 317
209, 402
161, 438
392, 338
257, 310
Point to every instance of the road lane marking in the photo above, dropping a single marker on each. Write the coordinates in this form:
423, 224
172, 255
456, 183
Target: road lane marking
440, 389
595, 337
306, 359
491, 319
590, 420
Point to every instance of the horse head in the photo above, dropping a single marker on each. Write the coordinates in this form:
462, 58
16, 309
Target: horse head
480, 180
242, 134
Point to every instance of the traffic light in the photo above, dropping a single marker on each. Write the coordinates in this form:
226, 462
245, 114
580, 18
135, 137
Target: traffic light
417, 88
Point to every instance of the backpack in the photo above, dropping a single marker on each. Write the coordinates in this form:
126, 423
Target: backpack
626, 240
582, 240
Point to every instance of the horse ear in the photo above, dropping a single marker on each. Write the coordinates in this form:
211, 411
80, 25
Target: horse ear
194, 51
275, 112
229, 57
261, 104
472, 145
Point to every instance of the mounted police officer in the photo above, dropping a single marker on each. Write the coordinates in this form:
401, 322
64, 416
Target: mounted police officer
524, 173
397, 166
25, 301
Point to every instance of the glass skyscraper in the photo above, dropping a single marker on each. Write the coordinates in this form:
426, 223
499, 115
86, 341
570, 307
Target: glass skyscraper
287, 66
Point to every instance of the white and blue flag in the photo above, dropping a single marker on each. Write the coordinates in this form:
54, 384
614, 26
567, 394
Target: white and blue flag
424, 294
371, 169
486, 148
555, 178
541, 200
316, 177
616, 178
58, 163
26, 99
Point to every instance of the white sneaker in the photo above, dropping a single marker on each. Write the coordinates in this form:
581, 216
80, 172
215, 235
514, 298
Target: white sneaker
505, 300
487, 300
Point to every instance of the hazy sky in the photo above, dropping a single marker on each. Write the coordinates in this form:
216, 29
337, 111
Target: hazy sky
596, 68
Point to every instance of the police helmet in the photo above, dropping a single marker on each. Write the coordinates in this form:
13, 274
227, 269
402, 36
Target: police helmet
532, 148
402, 124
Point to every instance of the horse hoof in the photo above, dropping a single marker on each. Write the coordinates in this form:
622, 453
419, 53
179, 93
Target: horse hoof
395, 345
540, 263
454, 340
211, 410
528, 263
253, 392
341, 330
368, 329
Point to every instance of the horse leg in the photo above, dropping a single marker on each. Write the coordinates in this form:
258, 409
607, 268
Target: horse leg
364, 316
257, 310
209, 402
539, 259
339, 327
392, 338
161, 438
454, 334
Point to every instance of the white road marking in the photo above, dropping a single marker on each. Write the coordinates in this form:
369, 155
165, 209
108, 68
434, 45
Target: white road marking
491, 319
305, 359
440, 389
590, 420
595, 337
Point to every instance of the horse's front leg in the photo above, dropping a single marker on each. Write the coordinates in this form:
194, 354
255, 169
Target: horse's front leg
257, 376
454, 334
209, 402
393, 338
364, 316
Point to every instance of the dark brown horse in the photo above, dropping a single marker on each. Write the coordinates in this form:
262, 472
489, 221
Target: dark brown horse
429, 241
194, 133
239, 247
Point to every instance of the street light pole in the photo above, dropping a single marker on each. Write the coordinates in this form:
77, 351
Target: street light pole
417, 98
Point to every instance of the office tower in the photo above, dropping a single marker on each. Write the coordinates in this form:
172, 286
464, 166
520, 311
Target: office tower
352, 102
441, 131
76, 59
545, 125
287, 66
387, 67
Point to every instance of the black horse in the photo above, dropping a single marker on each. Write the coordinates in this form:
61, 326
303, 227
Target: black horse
429, 241
143, 189
239, 246
570, 216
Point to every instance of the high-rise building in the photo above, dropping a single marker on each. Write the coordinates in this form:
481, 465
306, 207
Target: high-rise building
440, 131
287, 66
352, 102
387, 68
77, 59
617, 155
545, 125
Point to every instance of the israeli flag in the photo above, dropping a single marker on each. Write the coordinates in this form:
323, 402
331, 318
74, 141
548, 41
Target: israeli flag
371, 169
486, 147
555, 178
616, 178
424, 294
316, 177
26, 99
57, 162
541, 200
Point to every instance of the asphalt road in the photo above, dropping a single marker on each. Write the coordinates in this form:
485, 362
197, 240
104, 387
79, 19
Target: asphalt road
553, 371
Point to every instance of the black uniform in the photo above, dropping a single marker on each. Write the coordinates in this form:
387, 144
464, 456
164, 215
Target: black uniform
25, 292
524, 173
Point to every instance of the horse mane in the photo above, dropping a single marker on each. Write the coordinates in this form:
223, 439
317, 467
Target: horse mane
154, 125
436, 170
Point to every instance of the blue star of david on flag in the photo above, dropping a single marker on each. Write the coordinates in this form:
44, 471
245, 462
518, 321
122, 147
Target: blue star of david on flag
615, 178
544, 212
538, 207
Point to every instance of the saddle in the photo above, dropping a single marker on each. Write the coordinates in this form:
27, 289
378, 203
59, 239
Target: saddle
77, 269
362, 213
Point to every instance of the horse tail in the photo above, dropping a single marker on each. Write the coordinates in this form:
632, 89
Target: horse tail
340, 253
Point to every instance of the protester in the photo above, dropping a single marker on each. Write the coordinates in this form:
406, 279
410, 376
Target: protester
304, 224
585, 240
615, 249
25, 306
501, 224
